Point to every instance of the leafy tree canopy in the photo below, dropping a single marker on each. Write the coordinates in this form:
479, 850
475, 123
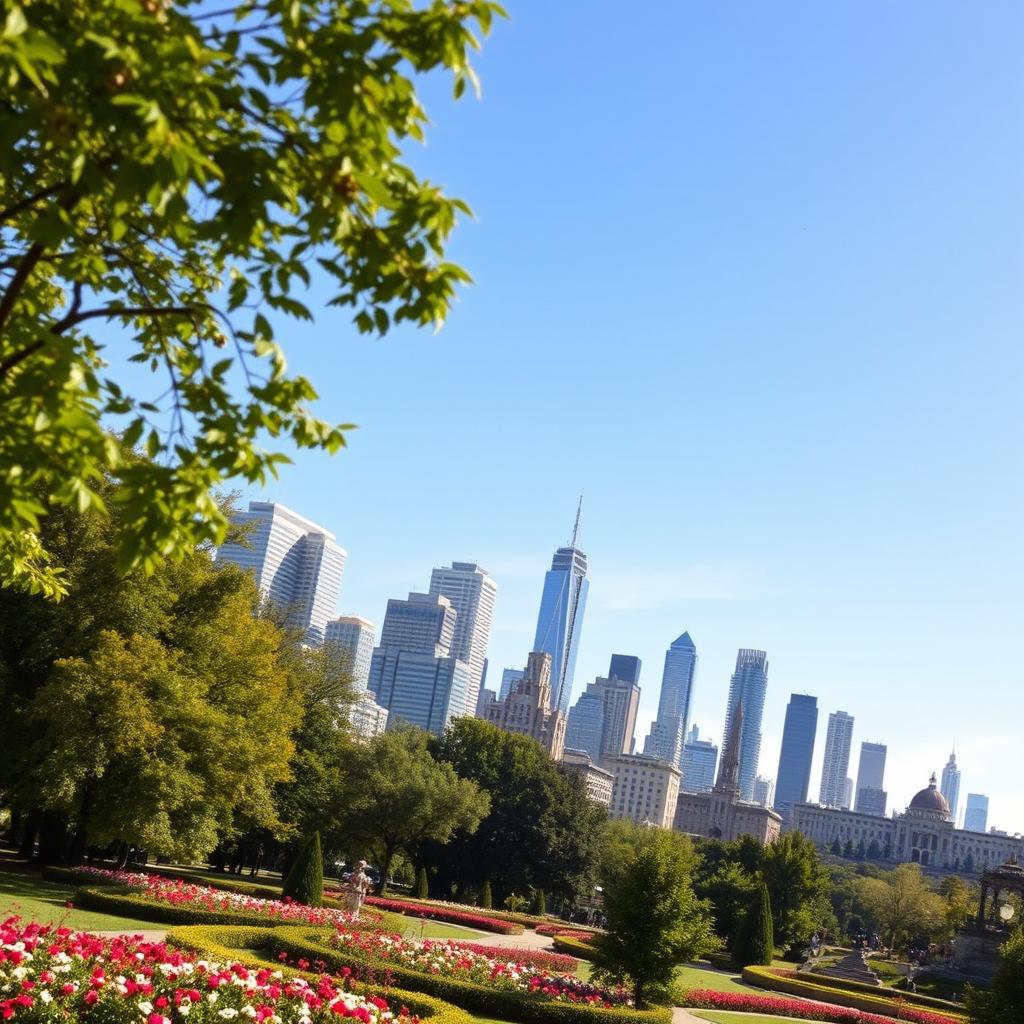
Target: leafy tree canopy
173, 173
901, 906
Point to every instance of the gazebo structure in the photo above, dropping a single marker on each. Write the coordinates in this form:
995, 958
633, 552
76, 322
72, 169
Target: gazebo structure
1008, 877
977, 944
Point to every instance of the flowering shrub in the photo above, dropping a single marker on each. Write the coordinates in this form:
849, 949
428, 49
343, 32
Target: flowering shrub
565, 932
455, 960
49, 975
177, 892
560, 963
436, 913
803, 1009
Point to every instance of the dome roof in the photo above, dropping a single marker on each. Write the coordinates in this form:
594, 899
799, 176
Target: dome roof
930, 799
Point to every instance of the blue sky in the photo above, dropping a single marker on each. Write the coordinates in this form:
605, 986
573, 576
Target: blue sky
750, 276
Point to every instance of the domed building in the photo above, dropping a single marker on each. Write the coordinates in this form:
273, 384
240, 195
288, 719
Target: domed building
924, 834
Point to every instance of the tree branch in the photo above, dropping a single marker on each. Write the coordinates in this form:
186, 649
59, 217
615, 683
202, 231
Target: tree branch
91, 314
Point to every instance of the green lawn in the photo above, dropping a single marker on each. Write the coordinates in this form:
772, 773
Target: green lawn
725, 1017
696, 977
36, 899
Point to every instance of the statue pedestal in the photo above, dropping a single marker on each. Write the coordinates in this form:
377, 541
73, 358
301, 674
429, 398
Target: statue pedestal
976, 951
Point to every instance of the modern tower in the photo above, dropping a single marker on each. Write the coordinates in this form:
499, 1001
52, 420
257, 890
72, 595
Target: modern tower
871, 794
585, 725
798, 733
837, 760
471, 592
618, 700
413, 673
509, 678
297, 565
352, 638
747, 688
667, 737
976, 815
951, 785
625, 666
700, 758
561, 615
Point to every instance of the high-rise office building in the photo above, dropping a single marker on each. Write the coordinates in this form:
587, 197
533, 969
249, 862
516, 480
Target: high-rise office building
412, 673
950, 788
837, 760
484, 700
976, 815
798, 732
471, 592
297, 565
747, 688
871, 794
528, 710
560, 620
847, 793
619, 699
645, 789
700, 761
625, 666
352, 638
667, 737
509, 678
764, 790
585, 725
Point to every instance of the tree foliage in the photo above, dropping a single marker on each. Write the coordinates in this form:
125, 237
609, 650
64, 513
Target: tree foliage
901, 906
798, 886
169, 175
304, 882
655, 921
1004, 1000
754, 943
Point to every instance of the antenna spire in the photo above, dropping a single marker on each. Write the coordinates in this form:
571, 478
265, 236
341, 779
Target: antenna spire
576, 525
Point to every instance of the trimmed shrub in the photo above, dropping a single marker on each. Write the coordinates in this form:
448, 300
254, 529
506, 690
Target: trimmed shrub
486, 900
846, 985
305, 880
754, 944
436, 913
133, 903
539, 904
499, 1004
574, 931
421, 890
574, 947
224, 942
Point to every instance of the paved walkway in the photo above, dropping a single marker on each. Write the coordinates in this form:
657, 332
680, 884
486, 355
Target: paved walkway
150, 935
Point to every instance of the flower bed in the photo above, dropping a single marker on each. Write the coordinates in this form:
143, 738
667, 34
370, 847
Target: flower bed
560, 963
178, 901
567, 931
436, 913
803, 1009
457, 960
49, 975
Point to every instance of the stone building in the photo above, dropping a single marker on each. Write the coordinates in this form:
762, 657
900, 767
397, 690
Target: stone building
645, 789
720, 813
529, 709
923, 834
598, 780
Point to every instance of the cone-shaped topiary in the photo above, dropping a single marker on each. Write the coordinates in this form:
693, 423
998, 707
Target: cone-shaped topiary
421, 890
754, 943
485, 895
539, 904
305, 880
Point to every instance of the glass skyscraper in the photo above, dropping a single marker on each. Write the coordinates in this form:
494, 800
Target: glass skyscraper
297, 565
352, 638
561, 619
748, 686
976, 815
585, 727
667, 737
700, 759
950, 787
794, 775
871, 794
837, 761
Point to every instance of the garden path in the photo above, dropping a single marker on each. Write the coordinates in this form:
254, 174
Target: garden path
528, 940
149, 935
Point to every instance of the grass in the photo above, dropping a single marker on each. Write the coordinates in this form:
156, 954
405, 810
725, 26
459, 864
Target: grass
726, 1017
36, 899
688, 977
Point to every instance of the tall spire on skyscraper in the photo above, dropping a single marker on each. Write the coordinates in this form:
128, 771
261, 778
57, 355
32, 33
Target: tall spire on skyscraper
576, 525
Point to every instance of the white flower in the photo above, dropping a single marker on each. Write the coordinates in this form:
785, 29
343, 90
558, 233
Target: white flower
184, 1008
227, 1013
212, 997
45, 996
146, 1008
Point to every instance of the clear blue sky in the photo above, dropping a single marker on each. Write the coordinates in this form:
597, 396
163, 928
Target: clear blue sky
749, 275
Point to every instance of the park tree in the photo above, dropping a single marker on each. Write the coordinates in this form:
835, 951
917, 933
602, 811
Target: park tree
754, 944
399, 796
1003, 1001
304, 882
170, 173
798, 886
729, 891
655, 921
961, 902
901, 906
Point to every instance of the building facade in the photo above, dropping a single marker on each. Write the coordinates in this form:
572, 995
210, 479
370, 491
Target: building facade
764, 791
747, 688
509, 677
924, 833
471, 593
597, 780
798, 734
297, 565
484, 700
625, 666
722, 813
644, 790
619, 699
950, 787
976, 814
700, 760
871, 795
560, 621
667, 737
585, 724
529, 711
836, 763
352, 639
367, 717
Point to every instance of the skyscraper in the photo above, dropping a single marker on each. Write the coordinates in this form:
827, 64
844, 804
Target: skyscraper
471, 592
763, 791
509, 678
352, 637
297, 565
667, 737
603, 719
585, 725
798, 733
976, 815
747, 688
700, 759
625, 666
837, 760
871, 795
561, 615
412, 672
951, 784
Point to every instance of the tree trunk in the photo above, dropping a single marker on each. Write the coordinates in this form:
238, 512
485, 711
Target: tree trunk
53, 833
385, 870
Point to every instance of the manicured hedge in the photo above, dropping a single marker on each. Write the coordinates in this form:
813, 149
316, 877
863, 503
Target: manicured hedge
575, 931
526, 920
574, 947
224, 942
412, 908
312, 944
914, 998
765, 977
